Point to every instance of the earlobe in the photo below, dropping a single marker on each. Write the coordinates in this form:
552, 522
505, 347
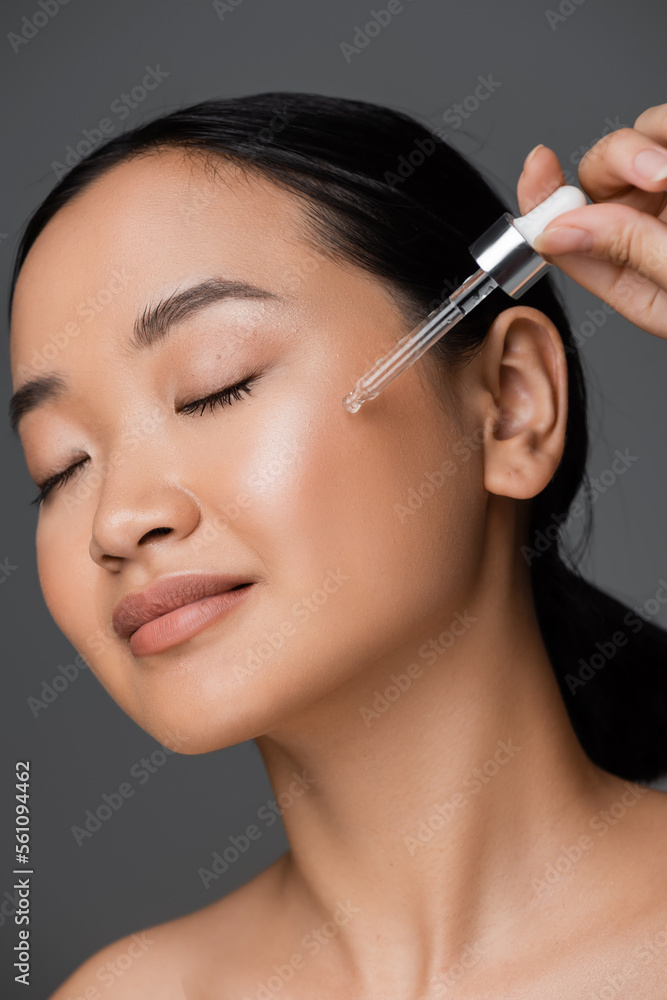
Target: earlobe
526, 376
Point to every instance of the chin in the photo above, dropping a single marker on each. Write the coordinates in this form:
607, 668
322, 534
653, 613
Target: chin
205, 723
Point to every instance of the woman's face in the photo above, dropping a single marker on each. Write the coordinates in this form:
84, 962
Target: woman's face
358, 544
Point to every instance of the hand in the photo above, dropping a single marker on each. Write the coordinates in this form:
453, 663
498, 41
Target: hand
618, 246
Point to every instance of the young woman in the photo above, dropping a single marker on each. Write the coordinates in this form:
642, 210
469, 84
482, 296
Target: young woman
379, 599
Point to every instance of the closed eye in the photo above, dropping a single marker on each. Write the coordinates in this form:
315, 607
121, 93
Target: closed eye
223, 397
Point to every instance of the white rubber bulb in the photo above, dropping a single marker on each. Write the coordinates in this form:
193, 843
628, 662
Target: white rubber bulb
562, 200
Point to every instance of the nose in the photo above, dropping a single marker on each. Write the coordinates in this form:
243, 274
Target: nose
136, 509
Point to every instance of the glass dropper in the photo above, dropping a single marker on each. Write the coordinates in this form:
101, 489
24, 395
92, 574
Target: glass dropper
507, 260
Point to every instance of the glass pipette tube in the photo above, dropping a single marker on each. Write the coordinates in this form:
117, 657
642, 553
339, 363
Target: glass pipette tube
507, 260
417, 342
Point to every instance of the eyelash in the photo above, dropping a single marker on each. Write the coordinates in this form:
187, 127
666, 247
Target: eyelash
223, 397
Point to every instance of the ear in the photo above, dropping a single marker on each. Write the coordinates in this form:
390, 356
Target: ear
524, 377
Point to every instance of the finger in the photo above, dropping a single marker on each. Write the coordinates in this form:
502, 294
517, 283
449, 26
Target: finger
626, 265
600, 171
541, 175
653, 123
628, 167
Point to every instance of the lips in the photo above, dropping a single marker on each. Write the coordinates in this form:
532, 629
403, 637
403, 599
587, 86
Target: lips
165, 595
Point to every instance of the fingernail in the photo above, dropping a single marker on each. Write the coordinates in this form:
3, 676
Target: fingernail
540, 145
651, 164
563, 239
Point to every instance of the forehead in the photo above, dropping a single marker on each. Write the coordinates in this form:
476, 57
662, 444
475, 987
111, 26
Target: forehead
150, 224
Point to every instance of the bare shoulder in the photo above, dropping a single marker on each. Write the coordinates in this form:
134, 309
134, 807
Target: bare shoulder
635, 827
173, 959
634, 919
650, 839
132, 967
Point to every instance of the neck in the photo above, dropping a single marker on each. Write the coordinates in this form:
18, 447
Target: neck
433, 797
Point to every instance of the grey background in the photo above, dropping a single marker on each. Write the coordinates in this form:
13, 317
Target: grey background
560, 84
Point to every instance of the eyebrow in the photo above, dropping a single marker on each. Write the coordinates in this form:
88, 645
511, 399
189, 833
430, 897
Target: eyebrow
151, 327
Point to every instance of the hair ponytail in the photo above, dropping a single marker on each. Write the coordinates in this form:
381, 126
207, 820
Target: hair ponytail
610, 664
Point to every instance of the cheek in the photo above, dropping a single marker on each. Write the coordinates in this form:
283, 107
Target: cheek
65, 576
75, 596
75, 592
361, 559
319, 492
